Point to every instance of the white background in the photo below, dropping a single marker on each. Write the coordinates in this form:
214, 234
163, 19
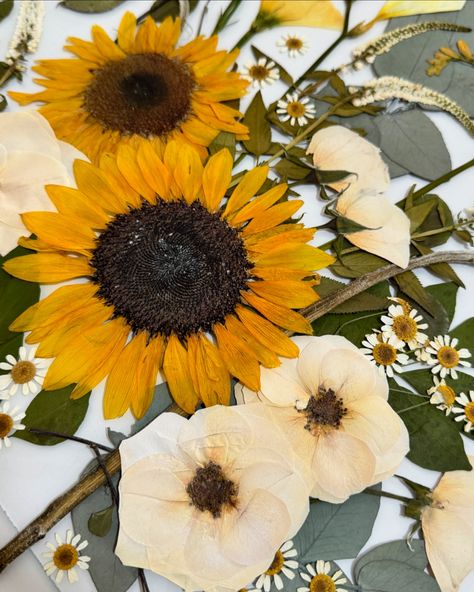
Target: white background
30, 477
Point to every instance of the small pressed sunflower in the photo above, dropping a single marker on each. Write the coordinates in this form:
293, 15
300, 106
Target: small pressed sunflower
404, 324
466, 411
281, 564
65, 557
442, 395
261, 73
143, 88
320, 579
173, 279
26, 373
385, 353
295, 109
9, 423
293, 45
447, 357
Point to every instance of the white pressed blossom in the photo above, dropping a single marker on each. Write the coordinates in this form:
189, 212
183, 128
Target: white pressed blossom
446, 357
385, 352
442, 395
466, 411
261, 73
295, 109
283, 563
319, 577
27, 31
293, 45
64, 557
25, 374
9, 423
404, 324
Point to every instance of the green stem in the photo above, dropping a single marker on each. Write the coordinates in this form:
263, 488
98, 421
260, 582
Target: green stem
248, 35
226, 16
412, 407
443, 178
408, 392
380, 493
373, 314
40, 432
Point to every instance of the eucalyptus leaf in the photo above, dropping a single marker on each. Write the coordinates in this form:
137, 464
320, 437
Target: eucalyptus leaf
115, 437
260, 133
100, 522
54, 411
337, 531
223, 140
5, 8
396, 551
389, 575
90, 6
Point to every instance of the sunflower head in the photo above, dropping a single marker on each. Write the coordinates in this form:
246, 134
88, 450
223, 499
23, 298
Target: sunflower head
181, 274
144, 88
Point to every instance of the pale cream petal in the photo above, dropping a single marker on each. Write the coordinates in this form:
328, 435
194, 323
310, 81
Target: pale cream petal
9, 236
244, 395
130, 552
28, 131
282, 386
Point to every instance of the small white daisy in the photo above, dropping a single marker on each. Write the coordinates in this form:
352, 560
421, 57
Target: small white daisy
282, 564
384, 352
321, 578
466, 411
9, 423
293, 45
261, 73
447, 357
64, 557
296, 109
442, 395
27, 373
405, 325
422, 355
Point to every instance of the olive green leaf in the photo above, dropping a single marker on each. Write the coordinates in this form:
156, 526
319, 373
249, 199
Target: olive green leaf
260, 133
362, 302
100, 522
5, 8
223, 140
90, 6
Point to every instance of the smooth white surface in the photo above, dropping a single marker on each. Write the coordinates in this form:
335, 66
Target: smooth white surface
30, 477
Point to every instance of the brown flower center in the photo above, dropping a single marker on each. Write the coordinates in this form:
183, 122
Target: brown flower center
23, 372
296, 109
324, 409
210, 490
276, 564
405, 327
469, 411
147, 94
259, 72
447, 393
294, 43
448, 356
65, 557
6, 424
322, 583
384, 354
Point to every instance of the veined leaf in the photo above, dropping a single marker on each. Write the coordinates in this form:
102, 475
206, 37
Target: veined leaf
260, 133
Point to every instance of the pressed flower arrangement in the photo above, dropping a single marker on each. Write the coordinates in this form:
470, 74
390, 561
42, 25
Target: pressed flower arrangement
158, 264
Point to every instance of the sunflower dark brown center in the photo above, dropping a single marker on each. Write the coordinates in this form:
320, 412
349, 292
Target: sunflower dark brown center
324, 409
147, 94
210, 490
170, 268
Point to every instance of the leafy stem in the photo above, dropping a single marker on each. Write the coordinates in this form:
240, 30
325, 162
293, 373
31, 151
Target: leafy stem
443, 179
380, 493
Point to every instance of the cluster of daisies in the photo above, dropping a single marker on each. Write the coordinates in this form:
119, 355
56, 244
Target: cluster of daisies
403, 327
295, 108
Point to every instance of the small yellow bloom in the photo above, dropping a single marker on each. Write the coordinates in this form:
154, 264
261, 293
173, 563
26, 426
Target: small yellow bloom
396, 8
305, 13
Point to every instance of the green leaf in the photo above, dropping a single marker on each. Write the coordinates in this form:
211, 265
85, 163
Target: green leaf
337, 531
419, 213
411, 286
445, 294
465, 333
328, 177
3, 103
356, 264
160, 9
396, 551
287, 169
358, 303
100, 522
389, 575
442, 270
5, 8
259, 128
411, 139
90, 6
223, 140
54, 411
435, 442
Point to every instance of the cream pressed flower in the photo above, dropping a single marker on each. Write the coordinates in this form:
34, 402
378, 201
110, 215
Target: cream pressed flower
466, 411
448, 528
25, 374
283, 563
65, 557
30, 158
9, 423
261, 73
446, 357
362, 200
404, 325
443, 396
206, 501
295, 109
331, 405
385, 352
293, 45
319, 578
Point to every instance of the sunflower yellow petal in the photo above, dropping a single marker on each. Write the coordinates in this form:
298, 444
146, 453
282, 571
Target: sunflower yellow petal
154, 171
261, 203
92, 182
128, 166
273, 216
264, 355
71, 202
178, 376
279, 315
209, 374
292, 294
56, 230
146, 378
246, 189
216, 178
188, 173
109, 49
126, 32
296, 256
47, 268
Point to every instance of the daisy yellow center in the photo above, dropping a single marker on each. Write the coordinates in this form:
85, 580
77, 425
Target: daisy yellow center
405, 327
210, 490
147, 94
322, 583
469, 411
448, 394
296, 109
170, 268
324, 409
448, 356
276, 565
6, 424
65, 557
294, 43
23, 371
259, 72
384, 354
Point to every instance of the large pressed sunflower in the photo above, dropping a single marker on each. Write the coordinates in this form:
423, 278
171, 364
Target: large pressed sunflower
142, 88
175, 280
